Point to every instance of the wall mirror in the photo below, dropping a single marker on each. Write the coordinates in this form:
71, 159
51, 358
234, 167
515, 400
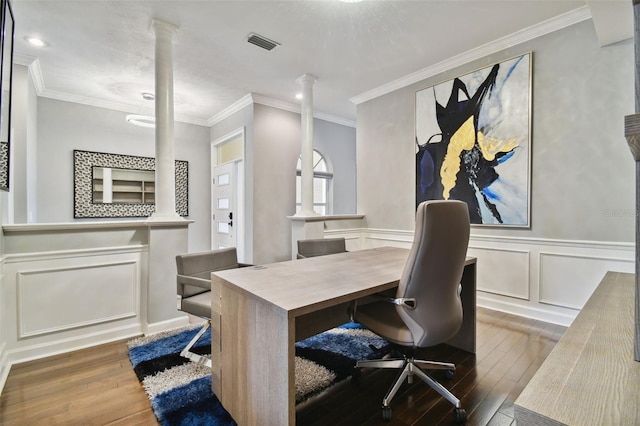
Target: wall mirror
115, 185
6, 71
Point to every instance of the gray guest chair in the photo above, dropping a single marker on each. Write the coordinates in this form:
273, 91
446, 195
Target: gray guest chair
320, 247
427, 309
194, 288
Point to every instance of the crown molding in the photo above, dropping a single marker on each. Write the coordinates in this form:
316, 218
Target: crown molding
559, 22
230, 110
253, 98
117, 106
33, 64
291, 107
334, 119
38, 82
25, 60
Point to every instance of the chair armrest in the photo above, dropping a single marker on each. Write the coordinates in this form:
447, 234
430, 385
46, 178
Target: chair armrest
197, 282
407, 302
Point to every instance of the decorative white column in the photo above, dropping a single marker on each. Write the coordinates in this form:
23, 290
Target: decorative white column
302, 224
168, 232
165, 186
307, 81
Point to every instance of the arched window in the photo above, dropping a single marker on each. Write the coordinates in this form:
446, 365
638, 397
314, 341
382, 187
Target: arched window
322, 181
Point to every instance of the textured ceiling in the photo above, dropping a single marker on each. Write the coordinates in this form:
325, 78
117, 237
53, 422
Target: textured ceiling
101, 52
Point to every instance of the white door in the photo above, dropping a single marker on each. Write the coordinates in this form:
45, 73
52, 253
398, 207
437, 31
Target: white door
223, 200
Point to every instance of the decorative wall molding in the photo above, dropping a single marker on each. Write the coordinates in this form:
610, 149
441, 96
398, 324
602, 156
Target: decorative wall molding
41, 90
494, 278
103, 292
531, 277
608, 245
34, 70
38, 82
253, 98
291, 107
75, 254
561, 21
574, 267
109, 285
241, 103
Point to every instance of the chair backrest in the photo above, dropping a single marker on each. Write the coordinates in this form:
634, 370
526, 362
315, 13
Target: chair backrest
320, 247
433, 271
200, 265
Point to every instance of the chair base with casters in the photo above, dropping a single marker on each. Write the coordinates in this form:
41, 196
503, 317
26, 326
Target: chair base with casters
426, 310
409, 367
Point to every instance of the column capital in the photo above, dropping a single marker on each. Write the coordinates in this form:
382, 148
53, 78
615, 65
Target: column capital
307, 79
160, 26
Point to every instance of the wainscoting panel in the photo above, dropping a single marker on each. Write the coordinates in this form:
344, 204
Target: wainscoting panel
539, 278
501, 271
567, 279
57, 299
69, 286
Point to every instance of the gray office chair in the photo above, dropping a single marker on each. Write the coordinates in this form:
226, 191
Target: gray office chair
427, 309
194, 288
320, 247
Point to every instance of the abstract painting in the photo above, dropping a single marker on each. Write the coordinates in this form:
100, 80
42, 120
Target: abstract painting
473, 142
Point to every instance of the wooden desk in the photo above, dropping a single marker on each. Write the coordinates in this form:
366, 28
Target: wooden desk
264, 310
590, 377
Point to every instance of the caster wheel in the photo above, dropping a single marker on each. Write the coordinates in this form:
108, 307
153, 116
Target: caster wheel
386, 413
459, 415
449, 374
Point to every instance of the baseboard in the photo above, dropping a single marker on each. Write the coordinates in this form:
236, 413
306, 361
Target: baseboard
522, 310
60, 346
158, 327
5, 367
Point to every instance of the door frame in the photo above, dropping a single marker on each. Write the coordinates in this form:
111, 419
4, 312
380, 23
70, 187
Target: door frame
240, 214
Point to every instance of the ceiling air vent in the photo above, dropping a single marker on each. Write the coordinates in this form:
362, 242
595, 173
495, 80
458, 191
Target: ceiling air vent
263, 42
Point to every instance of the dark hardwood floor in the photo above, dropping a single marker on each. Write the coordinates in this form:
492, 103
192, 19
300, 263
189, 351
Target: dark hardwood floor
97, 386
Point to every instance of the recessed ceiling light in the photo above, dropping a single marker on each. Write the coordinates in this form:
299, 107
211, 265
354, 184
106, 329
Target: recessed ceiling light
35, 41
148, 96
141, 120
298, 95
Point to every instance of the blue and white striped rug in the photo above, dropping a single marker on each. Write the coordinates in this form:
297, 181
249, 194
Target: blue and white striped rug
180, 391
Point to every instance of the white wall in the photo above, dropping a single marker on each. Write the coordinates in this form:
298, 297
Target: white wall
65, 126
583, 184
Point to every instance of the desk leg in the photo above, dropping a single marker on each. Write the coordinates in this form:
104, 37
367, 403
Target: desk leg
257, 360
465, 339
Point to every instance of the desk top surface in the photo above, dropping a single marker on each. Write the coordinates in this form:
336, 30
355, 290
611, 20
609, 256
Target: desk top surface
590, 377
321, 281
